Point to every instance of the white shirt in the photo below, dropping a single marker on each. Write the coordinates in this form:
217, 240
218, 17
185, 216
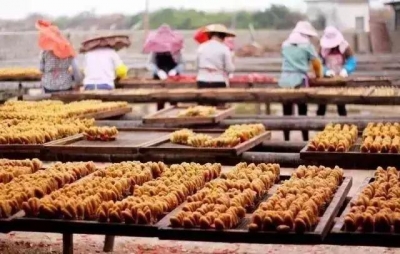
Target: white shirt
214, 62
100, 65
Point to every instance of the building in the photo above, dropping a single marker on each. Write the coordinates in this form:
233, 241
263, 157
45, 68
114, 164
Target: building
346, 15
396, 8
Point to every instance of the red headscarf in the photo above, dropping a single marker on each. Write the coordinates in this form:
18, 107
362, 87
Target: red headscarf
51, 39
201, 36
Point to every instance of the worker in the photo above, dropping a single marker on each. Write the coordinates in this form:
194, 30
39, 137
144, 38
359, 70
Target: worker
338, 60
165, 60
103, 65
214, 58
164, 46
298, 53
57, 58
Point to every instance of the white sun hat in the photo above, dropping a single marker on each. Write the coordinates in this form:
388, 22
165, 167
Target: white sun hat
305, 27
332, 38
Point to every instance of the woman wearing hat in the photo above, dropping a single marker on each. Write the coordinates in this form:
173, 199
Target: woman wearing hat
338, 60
214, 58
102, 62
56, 59
298, 53
164, 46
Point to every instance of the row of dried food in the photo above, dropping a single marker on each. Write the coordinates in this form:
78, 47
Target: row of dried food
231, 137
40, 122
385, 91
142, 193
377, 207
376, 138
43, 110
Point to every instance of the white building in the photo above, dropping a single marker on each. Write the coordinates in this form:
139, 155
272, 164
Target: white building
352, 15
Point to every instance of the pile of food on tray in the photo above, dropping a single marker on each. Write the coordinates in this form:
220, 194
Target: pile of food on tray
198, 111
222, 203
25, 122
154, 198
381, 138
232, 136
298, 202
334, 138
377, 208
104, 133
15, 73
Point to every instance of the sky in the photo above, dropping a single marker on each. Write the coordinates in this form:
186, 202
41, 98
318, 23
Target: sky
15, 9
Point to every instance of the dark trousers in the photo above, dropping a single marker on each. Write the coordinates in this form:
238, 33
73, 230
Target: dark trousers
56, 91
205, 85
341, 108
288, 111
161, 104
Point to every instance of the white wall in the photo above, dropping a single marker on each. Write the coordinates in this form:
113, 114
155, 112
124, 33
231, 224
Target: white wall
342, 16
348, 13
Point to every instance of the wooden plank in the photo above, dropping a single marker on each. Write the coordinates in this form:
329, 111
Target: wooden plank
353, 81
170, 116
241, 234
82, 227
340, 236
127, 142
166, 147
108, 113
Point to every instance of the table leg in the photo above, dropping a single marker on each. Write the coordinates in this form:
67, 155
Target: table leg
109, 243
267, 108
68, 243
160, 105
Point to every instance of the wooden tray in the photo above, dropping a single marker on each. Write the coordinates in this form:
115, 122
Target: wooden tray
328, 82
81, 227
108, 113
339, 236
170, 116
354, 155
128, 141
358, 81
241, 234
20, 148
164, 146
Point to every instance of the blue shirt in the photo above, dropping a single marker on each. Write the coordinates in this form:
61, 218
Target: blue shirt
296, 63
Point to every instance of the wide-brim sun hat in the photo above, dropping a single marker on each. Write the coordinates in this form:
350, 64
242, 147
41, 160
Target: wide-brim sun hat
164, 39
51, 39
296, 38
219, 28
305, 27
116, 42
331, 38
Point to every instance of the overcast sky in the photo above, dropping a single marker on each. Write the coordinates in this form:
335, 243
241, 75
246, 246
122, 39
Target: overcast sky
15, 9
21, 8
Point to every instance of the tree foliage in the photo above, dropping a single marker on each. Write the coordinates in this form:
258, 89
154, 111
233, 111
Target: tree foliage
275, 17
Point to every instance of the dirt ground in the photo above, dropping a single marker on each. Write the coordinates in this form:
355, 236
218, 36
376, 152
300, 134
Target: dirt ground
34, 243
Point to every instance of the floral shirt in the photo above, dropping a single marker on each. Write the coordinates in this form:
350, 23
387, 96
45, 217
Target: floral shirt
55, 72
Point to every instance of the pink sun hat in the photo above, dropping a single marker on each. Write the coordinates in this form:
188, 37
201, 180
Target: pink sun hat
305, 27
163, 40
331, 38
296, 38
